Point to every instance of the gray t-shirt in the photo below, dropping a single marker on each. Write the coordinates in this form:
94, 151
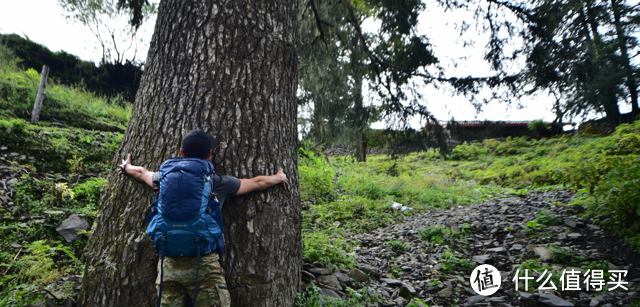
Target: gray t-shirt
222, 185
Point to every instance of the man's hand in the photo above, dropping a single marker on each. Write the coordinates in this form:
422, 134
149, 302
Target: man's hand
262, 182
281, 175
124, 162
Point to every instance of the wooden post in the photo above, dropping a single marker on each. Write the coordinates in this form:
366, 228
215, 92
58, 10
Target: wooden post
35, 115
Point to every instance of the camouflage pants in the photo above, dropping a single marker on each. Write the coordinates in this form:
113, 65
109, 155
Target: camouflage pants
180, 278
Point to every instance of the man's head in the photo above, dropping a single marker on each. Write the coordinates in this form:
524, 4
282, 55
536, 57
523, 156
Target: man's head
197, 144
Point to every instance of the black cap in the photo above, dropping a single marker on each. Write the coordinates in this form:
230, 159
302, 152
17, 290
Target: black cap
197, 143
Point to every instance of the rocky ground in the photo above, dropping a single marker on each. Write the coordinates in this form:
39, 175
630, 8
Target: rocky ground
496, 233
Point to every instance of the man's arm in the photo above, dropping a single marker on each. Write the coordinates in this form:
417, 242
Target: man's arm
137, 172
262, 182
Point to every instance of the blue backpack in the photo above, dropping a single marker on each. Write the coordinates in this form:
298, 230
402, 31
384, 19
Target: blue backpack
185, 219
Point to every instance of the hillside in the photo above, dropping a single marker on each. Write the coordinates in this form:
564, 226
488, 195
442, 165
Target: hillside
530, 192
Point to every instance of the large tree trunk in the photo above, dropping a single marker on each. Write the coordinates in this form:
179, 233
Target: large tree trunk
360, 122
229, 68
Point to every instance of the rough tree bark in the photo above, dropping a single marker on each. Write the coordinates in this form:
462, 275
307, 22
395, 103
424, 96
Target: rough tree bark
229, 68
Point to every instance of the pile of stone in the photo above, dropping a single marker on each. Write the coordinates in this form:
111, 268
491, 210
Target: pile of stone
499, 236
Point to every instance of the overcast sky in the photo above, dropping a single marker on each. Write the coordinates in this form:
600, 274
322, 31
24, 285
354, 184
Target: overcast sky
43, 21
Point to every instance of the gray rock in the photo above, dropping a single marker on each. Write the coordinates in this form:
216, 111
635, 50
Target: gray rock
476, 299
525, 295
329, 280
438, 267
358, 275
496, 250
367, 269
400, 301
320, 271
391, 281
570, 223
446, 292
329, 293
517, 247
342, 277
542, 252
409, 288
481, 259
308, 277
552, 300
70, 227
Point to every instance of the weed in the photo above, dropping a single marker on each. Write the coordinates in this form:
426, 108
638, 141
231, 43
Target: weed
395, 271
533, 227
329, 251
416, 302
561, 255
451, 262
548, 218
441, 234
312, 298
397, 245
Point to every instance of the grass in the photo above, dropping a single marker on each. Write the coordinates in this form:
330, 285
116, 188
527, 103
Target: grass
72, 105
442, 235
354, 298
53, 180
348, 197
450, 262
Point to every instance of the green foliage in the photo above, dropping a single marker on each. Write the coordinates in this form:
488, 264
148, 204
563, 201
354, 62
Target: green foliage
562, 255
350, 212
416, 302
617, 200
328, 250
451, 262
64, 149
35, 271
15, 125
316, 177
539, 127
395, 271
532, 227
89, 193
441, 234
106, 79
397, 245
73, 105
548, 218
312, 298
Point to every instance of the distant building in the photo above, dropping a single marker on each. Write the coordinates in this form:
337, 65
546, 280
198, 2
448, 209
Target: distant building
497, 128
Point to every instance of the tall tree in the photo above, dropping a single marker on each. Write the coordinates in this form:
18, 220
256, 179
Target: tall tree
104, 18
386, 61
229, 68
576, 49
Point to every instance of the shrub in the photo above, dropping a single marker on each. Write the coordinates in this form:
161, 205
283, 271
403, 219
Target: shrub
329, 251
451, 262
316, 177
